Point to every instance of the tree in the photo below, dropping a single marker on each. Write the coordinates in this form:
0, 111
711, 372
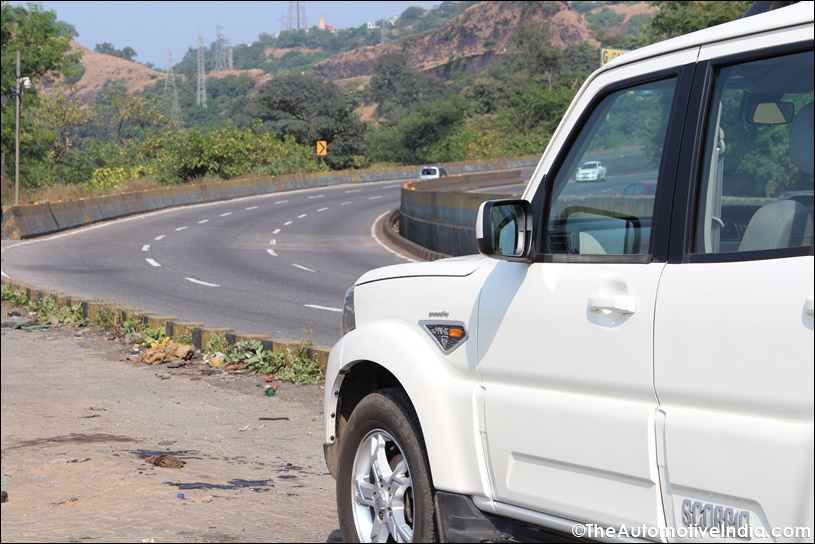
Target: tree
529, 51
311, 109
396, 87
412, 13
105, 48
45, 53
676, 18
128, 53
131, 117
56, 120
410, 139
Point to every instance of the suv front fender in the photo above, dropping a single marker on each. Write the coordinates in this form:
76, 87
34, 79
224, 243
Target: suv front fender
443, 397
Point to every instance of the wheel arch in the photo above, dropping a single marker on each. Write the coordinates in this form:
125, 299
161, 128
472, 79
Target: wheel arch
444, 403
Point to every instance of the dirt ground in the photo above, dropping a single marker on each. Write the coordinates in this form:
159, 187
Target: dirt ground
80, 420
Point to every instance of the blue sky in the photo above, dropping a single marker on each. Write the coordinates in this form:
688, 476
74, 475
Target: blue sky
154, 28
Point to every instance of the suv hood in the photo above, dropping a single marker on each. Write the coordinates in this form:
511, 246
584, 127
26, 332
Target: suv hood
452, 266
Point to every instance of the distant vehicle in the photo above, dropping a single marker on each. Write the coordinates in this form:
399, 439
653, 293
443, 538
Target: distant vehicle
432, 172
639, 188
591, 171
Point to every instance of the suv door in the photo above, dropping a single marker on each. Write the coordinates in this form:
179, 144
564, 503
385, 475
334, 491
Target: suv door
734, 324
565, 349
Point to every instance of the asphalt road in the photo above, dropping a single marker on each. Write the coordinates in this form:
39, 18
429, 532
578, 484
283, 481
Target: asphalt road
277, 265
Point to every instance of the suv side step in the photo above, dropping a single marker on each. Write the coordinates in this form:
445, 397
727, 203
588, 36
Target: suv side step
460, 521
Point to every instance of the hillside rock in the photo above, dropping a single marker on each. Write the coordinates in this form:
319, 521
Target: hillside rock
482, 31
101, 69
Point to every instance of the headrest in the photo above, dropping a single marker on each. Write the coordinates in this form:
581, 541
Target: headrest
802, 142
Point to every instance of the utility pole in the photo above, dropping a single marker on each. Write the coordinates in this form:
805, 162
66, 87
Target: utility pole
17, 135
20, 83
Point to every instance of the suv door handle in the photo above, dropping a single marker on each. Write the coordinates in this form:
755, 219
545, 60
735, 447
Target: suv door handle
624, 304
810, 306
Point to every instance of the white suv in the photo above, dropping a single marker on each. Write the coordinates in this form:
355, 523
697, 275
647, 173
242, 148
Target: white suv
611, 366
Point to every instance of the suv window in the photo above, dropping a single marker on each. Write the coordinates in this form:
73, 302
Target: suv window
756, 190
626, 132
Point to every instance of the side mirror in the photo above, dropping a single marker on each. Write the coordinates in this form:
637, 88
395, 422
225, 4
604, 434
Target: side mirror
504, 230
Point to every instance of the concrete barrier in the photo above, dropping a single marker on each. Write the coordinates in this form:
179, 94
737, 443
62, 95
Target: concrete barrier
440, 215
182, 195
70, 215
39, 220
36, 219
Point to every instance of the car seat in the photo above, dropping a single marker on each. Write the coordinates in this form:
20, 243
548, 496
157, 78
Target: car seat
787, 223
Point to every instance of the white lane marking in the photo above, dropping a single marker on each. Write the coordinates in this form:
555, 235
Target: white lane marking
252, 208
345, 203
203, 221
381, 243
153, 263
225, 214
322, 209
160, 237
4, 274
271, 252
199, 282
281, 201
146, 247
287, 223
316, 196
273, 242
354, 191
323, 308
374, 197
302, 215
276, 231
301, 267
180, 229
389, 186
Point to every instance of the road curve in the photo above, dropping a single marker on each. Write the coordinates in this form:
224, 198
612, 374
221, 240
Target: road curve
276, 265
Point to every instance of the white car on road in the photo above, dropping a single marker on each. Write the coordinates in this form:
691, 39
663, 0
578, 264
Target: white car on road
591, 171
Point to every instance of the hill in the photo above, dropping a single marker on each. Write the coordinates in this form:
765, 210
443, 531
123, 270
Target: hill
466, 42
100, 70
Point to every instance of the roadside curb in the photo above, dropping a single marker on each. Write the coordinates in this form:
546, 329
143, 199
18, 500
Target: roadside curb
199, 333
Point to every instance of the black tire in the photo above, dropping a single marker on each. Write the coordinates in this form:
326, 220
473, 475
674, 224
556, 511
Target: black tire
398, 505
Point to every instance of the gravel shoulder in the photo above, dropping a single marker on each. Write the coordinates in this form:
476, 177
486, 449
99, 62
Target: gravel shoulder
79, 421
